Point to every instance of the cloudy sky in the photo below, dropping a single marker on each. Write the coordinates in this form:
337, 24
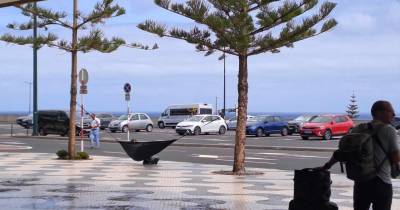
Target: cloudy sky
362, 54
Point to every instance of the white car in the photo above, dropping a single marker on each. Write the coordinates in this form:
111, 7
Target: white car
198, 124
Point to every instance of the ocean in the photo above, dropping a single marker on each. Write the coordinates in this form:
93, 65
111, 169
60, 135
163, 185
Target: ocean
155, 115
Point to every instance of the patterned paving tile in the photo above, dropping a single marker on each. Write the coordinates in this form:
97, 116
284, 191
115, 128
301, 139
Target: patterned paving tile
39, 181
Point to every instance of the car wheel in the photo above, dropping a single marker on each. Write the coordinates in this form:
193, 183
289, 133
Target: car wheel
161, 125
65, 134
284, 132
259, 132
125, 129
222, 130
149, 128
304, 137
42, 132
197, 131
327, 135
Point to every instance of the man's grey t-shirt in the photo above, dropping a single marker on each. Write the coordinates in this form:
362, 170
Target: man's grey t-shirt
388, 137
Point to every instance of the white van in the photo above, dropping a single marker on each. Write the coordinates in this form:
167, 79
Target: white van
175, 114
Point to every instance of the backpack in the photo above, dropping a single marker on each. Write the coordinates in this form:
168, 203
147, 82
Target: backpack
356, 151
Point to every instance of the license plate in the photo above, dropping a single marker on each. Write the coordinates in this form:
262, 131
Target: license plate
308, 131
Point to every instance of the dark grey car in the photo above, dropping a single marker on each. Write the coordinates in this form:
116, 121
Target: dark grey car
105, 120
296, 124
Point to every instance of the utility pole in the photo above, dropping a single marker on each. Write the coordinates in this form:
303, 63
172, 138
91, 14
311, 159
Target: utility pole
35, 82
216, 105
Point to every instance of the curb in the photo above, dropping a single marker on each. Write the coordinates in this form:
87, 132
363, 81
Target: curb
230, 146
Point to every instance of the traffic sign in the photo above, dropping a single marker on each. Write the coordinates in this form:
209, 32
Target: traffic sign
127, 88
83, 76
83, 89
127, 97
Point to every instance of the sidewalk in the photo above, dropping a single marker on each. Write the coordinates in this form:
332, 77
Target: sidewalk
39, 181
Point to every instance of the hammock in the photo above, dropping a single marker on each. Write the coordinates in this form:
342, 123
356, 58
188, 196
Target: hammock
139, 151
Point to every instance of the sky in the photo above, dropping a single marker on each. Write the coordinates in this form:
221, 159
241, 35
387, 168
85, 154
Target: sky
360, 55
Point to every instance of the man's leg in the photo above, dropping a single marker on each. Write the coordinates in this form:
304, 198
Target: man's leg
383, 196
362, 195
97, 138
91, 139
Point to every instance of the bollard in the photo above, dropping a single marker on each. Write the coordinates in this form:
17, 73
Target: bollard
12, 129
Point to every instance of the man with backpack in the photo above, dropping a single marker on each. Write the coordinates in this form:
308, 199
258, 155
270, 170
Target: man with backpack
371, 156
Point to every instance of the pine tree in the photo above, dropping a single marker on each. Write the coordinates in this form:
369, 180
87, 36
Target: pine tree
352, 108
244, 28
94, 40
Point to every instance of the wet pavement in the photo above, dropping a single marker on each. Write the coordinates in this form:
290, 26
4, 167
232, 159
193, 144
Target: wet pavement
40, 181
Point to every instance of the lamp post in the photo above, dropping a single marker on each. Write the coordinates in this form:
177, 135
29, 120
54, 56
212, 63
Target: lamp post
223, 110
35, 83
30, 91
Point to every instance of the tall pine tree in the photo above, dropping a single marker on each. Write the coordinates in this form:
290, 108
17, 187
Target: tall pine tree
352, 108
244, 28
94, 40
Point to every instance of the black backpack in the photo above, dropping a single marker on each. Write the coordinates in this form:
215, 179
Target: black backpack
356, 152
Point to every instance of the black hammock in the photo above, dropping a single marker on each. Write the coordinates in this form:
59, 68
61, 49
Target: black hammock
139, 151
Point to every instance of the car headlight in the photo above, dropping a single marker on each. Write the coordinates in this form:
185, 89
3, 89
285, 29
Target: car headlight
186, 126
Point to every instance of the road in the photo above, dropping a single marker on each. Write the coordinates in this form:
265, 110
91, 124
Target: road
221, 154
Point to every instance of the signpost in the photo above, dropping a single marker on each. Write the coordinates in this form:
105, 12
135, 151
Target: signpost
127, 90
83, 79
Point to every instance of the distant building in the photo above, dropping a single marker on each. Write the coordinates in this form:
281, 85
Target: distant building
6, 3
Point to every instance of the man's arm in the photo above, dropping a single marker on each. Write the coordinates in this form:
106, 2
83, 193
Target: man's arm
395, 157
330, 163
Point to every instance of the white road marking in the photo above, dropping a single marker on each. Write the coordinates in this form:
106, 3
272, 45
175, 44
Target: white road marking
10, 142
208, 156
114, 152
290, 155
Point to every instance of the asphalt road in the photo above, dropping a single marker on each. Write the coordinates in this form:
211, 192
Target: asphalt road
255, 158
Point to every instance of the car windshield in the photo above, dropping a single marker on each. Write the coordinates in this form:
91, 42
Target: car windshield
195, 118
303, 118
321, 119
123, 117
261, 118
103, 115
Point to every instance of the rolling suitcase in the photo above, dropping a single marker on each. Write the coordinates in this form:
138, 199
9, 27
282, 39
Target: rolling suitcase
312, 190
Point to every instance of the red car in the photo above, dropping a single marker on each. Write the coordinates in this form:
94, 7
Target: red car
326, 126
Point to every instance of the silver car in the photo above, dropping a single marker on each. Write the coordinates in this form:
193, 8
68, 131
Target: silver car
232, 123
140, 121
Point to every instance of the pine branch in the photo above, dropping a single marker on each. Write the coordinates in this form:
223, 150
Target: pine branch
29, 40
102, 10
46, 14
270, 19
260, 3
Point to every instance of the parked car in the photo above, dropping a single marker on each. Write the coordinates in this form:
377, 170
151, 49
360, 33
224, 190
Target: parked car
296, 124
140, 121
105, 120
199, 124
121, 124
25, 121
326, 126
266, 125
175, 114
231, 123
57, 122
396, 122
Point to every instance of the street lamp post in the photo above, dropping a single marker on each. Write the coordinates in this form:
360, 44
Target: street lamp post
35, 83
223, 110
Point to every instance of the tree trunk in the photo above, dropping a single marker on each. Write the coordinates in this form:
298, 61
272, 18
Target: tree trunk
73, 91
240, 138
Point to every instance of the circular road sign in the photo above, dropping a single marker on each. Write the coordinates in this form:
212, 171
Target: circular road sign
127, 88
83, 76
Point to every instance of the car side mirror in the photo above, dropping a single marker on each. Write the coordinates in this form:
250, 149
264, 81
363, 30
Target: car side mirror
204, 121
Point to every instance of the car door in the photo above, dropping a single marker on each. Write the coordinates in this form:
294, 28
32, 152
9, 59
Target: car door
336, 128
207, 124
143, 121
215, 124
278, 124
344, 125
268, 124
134, 122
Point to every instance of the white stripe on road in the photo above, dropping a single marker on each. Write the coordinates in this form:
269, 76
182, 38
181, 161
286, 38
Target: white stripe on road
208, 156
289, 155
